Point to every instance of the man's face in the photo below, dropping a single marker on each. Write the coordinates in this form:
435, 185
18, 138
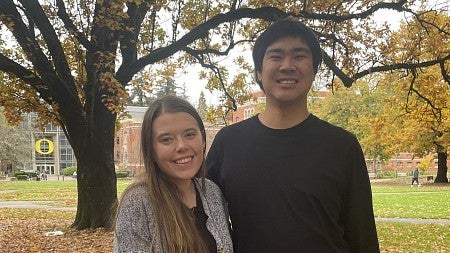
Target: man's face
287, 70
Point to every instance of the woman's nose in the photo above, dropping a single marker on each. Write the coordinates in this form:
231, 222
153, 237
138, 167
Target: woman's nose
181, 145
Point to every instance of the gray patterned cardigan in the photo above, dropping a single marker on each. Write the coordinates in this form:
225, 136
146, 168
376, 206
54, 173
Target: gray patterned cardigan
135, 225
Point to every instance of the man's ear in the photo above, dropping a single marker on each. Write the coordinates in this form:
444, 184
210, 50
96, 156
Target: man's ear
258, 76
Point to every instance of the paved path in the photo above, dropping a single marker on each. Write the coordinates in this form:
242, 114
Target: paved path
39, 205
415, 221
33, 205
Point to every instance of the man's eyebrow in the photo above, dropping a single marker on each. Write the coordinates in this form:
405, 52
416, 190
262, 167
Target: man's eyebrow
294, 50
301, 49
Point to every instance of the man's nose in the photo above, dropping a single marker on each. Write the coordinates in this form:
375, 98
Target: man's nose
287, 65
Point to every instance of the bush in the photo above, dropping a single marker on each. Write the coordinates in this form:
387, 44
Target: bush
68, 171
387, 174
29, 174
121, 174
22, 177
20, 173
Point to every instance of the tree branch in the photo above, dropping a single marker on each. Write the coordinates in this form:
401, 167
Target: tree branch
63, 73
398, 66
125, 73
70, 26
398, 6
129, 39
9, 66
346, 80
216, 71
28, 44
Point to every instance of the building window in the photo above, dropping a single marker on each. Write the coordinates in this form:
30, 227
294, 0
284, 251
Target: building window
249, 112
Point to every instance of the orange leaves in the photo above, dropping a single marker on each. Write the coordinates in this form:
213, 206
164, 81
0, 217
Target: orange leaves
113, 92
27, 235
112, 15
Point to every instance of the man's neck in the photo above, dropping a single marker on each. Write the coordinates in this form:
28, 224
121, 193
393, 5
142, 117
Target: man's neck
283, 118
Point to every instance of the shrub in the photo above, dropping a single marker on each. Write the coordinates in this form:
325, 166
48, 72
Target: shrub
22, 177
20, 173
121, 174
68, 171
26, 173
387, 174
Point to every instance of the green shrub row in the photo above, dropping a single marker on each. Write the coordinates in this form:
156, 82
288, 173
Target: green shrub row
70, 170
26, 174
22, 177
121, 174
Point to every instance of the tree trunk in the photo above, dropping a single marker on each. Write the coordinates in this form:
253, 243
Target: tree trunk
441, 176
96, 177
97, 193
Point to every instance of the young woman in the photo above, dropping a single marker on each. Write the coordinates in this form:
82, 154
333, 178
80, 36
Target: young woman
172, 207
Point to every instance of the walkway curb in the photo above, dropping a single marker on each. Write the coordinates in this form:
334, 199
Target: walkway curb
415, 221
33, 205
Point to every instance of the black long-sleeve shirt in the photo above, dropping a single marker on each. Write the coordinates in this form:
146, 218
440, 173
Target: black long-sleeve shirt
302, 189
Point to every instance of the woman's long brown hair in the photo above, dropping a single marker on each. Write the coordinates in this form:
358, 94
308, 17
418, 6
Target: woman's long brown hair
174, 222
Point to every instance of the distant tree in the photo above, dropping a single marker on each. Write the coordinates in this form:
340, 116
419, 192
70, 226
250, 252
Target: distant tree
165, 88
359, 109
138, 93
202, 107
422, 98
14, 143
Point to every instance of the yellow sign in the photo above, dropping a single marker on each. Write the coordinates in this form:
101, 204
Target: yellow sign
51, 147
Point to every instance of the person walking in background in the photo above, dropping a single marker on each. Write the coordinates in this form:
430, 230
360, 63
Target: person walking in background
172, 207
293, 182
415, 177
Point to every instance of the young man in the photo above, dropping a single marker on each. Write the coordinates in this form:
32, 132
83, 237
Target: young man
293, 182
415, 177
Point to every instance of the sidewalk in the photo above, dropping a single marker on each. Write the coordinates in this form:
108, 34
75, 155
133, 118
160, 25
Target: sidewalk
415, 221
33, 205
39, 205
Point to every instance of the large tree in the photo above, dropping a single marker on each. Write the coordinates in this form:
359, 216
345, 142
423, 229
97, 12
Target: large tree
423, 95
71, 61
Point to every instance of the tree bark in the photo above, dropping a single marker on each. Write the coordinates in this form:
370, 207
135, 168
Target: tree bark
97, 194
96, 177
441, 176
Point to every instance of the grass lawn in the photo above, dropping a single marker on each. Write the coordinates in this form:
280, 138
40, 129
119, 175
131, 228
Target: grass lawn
391, 198
396, 198
432, 202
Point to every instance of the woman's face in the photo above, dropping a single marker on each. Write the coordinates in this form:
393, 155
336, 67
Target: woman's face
178, 146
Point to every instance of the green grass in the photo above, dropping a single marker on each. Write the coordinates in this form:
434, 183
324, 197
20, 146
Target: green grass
413, 238
61, 193
412, 202
391, 198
